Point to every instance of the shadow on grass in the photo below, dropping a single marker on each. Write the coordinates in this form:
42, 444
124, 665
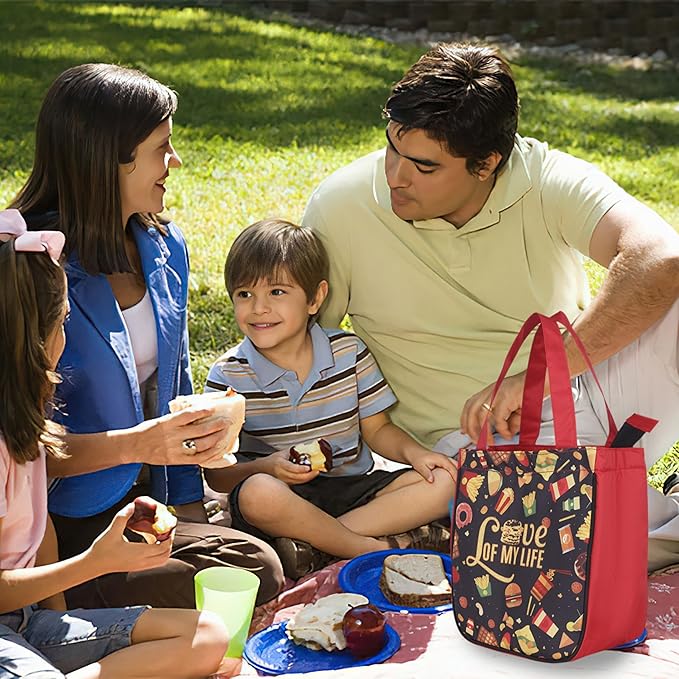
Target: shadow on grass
237, 78
272, 84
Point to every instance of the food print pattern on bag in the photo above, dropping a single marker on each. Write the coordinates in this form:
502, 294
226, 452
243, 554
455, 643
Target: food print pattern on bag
609, 552
525, 525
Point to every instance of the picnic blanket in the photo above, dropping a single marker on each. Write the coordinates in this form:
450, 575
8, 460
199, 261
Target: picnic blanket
432, 647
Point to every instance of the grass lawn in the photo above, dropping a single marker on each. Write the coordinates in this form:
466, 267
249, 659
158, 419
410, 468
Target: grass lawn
267, 110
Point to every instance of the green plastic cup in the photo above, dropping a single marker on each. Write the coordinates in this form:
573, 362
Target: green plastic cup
231, 594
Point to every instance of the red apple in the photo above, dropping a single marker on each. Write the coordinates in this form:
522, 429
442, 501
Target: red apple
363, 628
146, 514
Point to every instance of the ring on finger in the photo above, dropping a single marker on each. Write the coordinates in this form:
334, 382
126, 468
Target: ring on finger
487, 407
189, 444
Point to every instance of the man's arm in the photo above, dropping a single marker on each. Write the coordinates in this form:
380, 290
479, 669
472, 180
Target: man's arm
641, 252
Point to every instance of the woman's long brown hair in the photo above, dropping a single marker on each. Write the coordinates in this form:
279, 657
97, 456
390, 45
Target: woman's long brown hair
92, 119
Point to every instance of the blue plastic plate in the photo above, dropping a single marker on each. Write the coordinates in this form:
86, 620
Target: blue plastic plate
362, 576
270, 651
635, 642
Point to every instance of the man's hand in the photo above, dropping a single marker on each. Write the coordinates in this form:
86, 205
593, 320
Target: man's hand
426, 461
505, 413
278, 464
112, 552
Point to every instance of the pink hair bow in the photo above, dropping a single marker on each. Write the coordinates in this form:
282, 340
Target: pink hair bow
13, 224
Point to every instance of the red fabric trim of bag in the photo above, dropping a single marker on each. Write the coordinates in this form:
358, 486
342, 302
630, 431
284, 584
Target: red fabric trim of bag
617, 580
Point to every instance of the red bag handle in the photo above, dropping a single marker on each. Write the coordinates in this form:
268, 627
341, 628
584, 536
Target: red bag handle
547, 354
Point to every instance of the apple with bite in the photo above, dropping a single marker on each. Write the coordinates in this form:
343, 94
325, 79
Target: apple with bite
151, 518
363, 628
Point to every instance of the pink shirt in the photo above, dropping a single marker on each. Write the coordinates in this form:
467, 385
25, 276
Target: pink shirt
23, 509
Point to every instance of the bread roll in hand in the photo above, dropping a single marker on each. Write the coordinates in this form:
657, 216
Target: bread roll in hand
229, 405
151, 519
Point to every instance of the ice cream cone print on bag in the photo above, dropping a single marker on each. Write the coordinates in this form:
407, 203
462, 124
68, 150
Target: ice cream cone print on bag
522, 458
485, 636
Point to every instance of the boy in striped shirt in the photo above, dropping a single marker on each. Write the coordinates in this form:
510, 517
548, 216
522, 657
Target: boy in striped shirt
301, 383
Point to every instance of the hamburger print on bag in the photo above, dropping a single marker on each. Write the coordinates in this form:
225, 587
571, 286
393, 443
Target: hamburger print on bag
523, 523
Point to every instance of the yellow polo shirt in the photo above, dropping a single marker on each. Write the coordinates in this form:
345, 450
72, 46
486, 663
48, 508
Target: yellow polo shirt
438, 306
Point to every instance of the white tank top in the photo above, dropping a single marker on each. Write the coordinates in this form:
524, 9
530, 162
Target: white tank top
141, 327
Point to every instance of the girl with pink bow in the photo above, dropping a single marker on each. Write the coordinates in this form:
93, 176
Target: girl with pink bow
37, 634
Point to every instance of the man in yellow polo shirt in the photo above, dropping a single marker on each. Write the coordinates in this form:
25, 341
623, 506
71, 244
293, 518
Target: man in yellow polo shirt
444, 242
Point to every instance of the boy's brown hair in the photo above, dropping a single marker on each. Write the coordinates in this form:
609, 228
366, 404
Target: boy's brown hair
32, 299
266, 249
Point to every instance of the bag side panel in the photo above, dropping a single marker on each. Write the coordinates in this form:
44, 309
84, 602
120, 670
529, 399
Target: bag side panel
618, 596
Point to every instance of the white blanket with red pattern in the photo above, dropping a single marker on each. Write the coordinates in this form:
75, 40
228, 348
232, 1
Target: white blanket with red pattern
432, 648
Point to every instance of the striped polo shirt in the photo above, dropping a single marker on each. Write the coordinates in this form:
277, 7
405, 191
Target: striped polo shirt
343, 386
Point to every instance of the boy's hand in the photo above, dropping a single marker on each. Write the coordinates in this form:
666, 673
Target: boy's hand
112, 552
289, 472
425, 461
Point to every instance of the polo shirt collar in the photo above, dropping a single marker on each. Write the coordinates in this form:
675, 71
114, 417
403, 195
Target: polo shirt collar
512, 183
268, 373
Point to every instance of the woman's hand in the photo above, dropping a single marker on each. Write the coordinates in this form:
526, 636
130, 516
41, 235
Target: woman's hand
112, 552
278, 464
191, 436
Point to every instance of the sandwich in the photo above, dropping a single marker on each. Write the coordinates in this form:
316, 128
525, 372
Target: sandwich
317, 454
227, 404
318, 626
415, 580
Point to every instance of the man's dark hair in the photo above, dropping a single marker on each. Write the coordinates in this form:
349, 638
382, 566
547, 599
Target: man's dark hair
463, 96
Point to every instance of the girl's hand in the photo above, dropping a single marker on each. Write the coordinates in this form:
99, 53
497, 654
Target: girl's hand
112, 552
279, 465
190, 436
423, 463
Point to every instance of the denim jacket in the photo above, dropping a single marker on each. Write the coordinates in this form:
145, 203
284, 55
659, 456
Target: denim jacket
99, 389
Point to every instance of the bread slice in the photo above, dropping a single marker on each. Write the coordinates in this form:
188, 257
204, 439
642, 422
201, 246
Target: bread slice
319, 625
415, 580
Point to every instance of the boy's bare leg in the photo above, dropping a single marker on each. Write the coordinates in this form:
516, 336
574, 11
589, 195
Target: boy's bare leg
270, 505
407, 502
